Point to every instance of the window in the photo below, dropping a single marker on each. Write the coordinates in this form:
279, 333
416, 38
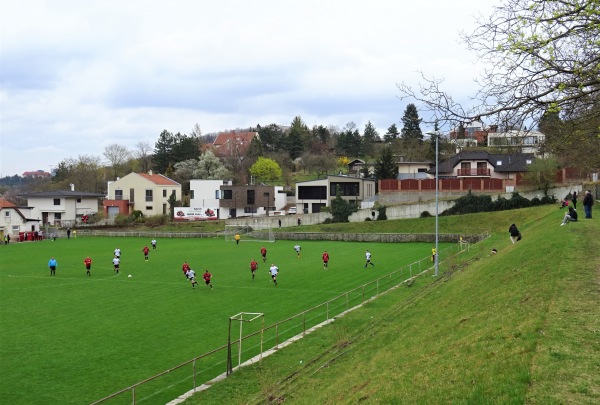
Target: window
131, 195
57, 201
149, 196
498, 163
227, 194
165, 193
57, 215
528, 161
79, 200
192, 194
7, 214
148, 208
118, 194
250, 197
218, 194
250, 210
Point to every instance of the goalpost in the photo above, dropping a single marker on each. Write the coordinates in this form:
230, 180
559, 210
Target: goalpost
249, 233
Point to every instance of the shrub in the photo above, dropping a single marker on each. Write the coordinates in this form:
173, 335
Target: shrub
425, 214
157, 220
123, 220
382, 213
368, 219
328, 221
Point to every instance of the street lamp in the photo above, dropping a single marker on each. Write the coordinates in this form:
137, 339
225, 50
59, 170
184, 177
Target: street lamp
437, 182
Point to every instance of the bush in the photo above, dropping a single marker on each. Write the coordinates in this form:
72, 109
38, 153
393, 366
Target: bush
328, 221
368, 219
535, 201
157, 220
123, 220
425, 214
137, 214
382, 213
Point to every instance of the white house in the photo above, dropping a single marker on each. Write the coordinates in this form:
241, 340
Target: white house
61, 207
517, 140
14, 220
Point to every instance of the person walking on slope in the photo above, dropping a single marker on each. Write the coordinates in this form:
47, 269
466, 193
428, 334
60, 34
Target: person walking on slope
514, 233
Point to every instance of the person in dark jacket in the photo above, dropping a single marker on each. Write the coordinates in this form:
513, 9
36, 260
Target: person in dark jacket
574, 199
588, 201
570, 216
514, 233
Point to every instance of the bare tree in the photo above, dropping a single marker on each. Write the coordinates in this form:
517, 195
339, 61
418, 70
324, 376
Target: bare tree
540, 55
143, 154
117, 155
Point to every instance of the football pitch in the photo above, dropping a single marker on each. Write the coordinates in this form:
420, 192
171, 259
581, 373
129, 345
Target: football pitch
73, 338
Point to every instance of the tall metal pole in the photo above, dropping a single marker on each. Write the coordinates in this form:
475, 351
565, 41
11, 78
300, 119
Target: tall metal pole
437, 185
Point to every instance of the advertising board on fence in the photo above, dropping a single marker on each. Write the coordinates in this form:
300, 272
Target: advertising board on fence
195, 214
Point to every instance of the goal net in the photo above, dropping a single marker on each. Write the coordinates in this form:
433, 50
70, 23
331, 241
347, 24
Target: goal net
249, 233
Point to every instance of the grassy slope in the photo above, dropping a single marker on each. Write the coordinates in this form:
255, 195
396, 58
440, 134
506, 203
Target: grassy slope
520, 326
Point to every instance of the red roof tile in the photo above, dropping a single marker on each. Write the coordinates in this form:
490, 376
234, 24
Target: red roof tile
159, 179
4, 203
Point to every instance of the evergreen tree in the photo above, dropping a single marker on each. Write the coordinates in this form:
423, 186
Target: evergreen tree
385, 167
296, 138
370, 136
411, 130
340, 208
391, 134
271, 137
163, 151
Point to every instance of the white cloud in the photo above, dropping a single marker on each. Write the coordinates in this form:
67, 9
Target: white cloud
77, 76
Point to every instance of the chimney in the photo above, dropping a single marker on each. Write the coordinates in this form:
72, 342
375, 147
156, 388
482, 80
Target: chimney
72, 187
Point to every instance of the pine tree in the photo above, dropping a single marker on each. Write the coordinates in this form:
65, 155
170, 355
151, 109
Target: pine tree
411, 130
385, 167
391, 134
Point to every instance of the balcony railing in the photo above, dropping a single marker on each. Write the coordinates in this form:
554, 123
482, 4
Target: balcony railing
474, 172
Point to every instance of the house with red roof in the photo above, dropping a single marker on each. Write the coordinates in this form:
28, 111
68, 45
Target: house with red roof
233, 144
145, 192
14, 220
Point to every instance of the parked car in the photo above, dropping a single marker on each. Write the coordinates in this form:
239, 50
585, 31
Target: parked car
292, 211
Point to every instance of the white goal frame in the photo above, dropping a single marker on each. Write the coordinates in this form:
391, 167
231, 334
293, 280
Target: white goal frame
249, 233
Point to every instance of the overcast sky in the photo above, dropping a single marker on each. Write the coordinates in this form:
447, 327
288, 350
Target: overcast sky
76, 76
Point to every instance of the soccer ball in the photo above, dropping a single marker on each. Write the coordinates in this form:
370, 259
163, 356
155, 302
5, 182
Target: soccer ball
129, 276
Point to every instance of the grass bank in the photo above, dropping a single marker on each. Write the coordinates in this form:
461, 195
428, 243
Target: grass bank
519, 326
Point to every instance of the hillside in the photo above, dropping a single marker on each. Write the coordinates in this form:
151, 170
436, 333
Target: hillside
519, 326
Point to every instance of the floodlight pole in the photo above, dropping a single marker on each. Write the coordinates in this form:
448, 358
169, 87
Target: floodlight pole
437, 185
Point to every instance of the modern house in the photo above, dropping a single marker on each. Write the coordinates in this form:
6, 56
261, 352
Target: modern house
204, 202
517, 141
62, 207
14, 220
250, 200
312, 195
145, 192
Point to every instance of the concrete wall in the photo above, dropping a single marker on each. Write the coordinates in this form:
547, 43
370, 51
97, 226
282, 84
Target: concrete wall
406, 210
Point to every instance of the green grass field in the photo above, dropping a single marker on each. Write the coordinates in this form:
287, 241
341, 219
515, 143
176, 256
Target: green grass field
75, 339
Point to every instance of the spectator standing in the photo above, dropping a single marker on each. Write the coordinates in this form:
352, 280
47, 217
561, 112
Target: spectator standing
588, 202
574, 199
